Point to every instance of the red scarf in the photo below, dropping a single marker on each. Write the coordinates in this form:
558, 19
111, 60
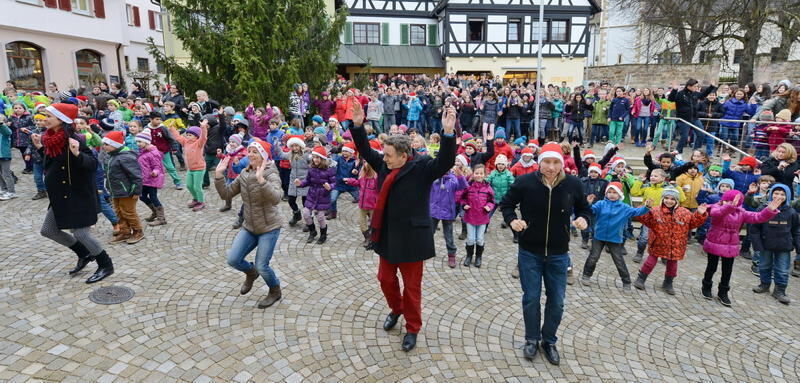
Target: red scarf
380, 206
54, 142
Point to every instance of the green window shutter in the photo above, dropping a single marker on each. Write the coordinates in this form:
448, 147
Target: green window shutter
348, 33
403, 34
432, 34
384, 33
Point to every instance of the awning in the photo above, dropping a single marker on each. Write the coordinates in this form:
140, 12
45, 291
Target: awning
382, 56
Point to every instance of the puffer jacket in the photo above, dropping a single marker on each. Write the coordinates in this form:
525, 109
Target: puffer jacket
5, 142
741, 180
478, 196
726, 221
638, 104
318, 198
782, 232
299, 168
151, 161
414, 108
733, 109
500, 182
694, 184
686, 102
653, 192
708, 109
443, 196
25, 121
619, 108
367, 191
489, 111
260, 201
123, 174
669, 230
259, 126
611, 217
600, 115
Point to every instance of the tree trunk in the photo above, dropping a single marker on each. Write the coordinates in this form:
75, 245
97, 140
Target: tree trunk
747, 63
789, 35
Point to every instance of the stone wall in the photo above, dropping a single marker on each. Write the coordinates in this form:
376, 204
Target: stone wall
651, 75
768, 72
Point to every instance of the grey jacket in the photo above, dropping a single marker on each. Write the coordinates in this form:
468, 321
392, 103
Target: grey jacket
299, 171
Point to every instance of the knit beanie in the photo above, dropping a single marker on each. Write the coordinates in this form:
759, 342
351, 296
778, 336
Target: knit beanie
229, 110
318, 119
144, 136
715, 167
194, 130
237, 138
320, 130
500, 133
501, 159
671, 191
785, 115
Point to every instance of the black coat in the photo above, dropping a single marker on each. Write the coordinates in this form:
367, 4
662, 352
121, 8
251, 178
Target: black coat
215, 136
785, 176
686, 102
406, 232
547, 212
781, 233
71, 186
708, 109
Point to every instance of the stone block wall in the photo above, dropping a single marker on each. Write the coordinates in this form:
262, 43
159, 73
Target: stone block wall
652, 75
771, 73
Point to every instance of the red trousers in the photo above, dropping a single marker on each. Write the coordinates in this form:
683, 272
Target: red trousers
651, 261
409, 304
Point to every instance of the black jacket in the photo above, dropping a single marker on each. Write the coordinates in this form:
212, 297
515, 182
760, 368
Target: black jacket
785, 176
781, 233
71, 186
216, 136
686, 102
547, 212
406, 232
123, 174
479, 158
707, 109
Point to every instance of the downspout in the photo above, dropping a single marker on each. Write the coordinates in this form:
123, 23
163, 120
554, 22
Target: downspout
119, 66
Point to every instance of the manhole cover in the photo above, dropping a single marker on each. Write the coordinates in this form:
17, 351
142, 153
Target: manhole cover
111, 295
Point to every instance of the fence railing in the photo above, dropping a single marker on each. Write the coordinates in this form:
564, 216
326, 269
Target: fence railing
701, 130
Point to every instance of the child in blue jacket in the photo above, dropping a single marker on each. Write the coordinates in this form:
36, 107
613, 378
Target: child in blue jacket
619, 110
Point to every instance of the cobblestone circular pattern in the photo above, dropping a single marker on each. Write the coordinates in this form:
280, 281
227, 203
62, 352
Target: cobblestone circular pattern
111, 295
187, 321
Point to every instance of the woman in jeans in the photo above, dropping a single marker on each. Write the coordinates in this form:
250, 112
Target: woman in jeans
260, 186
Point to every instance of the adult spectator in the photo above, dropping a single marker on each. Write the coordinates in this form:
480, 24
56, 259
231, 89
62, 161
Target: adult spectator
546, 198
207, 105
137, 91
53, 93
782, 164
686, 103
401, 223
175, 96
117, 91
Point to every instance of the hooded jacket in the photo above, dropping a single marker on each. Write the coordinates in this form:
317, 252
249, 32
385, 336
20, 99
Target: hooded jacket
478, 196
611, 217
151, 161
500, 182
367, 191
123, 174
694, 184
712, 198
318, 198
782, 232
653, 192
741, 180
443, 196
733, 109
726, 221
669, 230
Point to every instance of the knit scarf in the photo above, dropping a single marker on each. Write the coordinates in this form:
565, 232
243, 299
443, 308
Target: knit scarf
380, 206
54, 142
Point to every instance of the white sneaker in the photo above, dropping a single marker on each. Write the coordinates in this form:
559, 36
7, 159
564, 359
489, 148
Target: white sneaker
7, 196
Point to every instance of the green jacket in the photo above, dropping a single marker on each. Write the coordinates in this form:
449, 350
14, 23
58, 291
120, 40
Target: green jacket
500, 182
558, 108
600, 114
5, 141
627, 184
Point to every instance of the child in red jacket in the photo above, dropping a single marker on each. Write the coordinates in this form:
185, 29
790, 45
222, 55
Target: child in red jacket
776, 134
367, 183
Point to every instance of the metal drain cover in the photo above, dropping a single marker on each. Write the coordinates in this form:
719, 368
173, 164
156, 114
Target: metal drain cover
111, 295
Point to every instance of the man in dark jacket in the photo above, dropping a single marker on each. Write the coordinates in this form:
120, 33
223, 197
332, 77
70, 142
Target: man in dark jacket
776, 239
546, 198
686, 106
401, 223
216, 140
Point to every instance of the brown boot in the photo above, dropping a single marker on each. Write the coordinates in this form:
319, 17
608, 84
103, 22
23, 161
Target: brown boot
121, 237
136, 236
273, 296
250, 276
160, 220
153, 213
116, 230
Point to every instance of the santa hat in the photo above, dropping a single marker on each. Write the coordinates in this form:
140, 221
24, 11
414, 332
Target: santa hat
376, 146
616, 161
349, 147
144, 136
263, 147
64, 112
320, 152
332, 118
596, 168
39, 105
588, 153
82, 98
533, 144
412, 94
463, 160
115, 139
527, 152
551, 150
617, 187
296, 140
501, 159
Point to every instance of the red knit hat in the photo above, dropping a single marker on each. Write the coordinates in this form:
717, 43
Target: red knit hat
115, 138
264, 148
595, 167
588, 153
473, 144
349, 147
617, 187
412, 94
551, 150
320, 152
64, 112
750, 161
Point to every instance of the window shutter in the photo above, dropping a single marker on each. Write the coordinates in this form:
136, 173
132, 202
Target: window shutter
100, 9
432, 34
348, 33
403, 34
65, 5
384, 33
51, 3
151, 18
136, 21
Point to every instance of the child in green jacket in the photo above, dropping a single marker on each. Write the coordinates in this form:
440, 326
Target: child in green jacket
500, 179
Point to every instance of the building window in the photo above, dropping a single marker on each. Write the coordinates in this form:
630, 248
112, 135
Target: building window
705, 56
81, 6
737, 56
773, 54
559, 30
90, 70
25, 65
366, 33
129, 13
417, 34
159, 67
157, 20
142, 64
535, 25
475, 29
127, 64
619, 58
514, 27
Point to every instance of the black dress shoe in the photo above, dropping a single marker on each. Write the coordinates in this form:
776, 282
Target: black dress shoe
409, 342
550, 353
391, 321
100, 274
82, 262
531, 349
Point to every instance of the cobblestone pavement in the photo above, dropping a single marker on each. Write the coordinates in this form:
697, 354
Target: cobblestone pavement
187, 321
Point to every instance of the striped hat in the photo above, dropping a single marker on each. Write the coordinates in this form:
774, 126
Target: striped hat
144, 136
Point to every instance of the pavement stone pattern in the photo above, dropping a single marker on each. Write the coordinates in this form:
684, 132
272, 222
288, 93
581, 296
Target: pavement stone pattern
187, 321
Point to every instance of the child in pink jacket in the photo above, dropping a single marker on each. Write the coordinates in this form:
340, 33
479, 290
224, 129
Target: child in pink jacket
150, 160
477, 201
367, 183
722, 241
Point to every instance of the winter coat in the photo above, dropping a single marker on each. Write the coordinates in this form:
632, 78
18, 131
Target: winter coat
215, 136
500, 182
653, 192
726, 221
71, 186
326, 108
669, 230
478, 196
594, 186
5, 142
489, 111
25, 121
782, 176
299, 168
620, 108
708, 109
367, 191
162, 139
193, 151
600, 114
261, 212
578, 112
514, 108
733, 109
414, 108
318, 198
741, 180
374, 110
443, 196
776, 135
611, 218
775, 105
686, 102
390, 103
638, 104
781, 233
123, 174
344, 169
150, 161
259, 126
499, 148
694, 184
479, 158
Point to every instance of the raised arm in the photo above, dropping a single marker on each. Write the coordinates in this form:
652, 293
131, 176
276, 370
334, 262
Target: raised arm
444, 161
360, 139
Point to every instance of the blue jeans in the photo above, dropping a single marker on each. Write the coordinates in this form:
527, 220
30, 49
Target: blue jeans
683, 131
641, 243
38, 176
730, 134
575, 127
244, 243
447, 229
107, 209
475, 234
335, 196
641, 130
415, 125
533, 270
775, 263
436, 125
513, 128
598, 132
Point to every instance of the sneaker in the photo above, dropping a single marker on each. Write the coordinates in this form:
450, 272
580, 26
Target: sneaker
754, 270
586, 281
570, 277
7, 196
199, 206
179, 187
192, 204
